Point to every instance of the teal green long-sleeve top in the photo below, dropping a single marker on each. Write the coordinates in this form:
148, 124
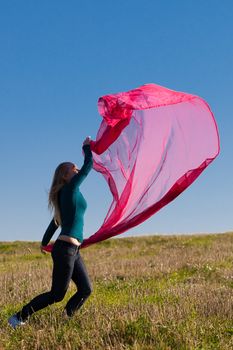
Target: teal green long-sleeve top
72, 204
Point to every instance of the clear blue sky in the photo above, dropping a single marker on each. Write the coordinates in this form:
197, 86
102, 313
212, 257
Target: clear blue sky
57, 58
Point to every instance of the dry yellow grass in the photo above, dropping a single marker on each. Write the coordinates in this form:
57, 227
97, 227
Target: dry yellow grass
149, 293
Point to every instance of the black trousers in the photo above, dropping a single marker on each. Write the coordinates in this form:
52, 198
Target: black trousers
67, 265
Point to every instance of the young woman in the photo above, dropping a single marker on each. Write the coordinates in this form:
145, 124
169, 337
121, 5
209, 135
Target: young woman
69, 206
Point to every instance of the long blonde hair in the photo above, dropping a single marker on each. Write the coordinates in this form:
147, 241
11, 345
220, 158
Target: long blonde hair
57, 183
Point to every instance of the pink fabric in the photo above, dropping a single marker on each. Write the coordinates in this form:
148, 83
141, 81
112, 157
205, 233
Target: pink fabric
48, 248
151, 145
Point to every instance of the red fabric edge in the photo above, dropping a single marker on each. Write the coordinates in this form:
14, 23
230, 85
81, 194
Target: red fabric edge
184, 182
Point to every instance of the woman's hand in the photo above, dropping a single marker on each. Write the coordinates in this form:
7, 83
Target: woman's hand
42, 249
87, 140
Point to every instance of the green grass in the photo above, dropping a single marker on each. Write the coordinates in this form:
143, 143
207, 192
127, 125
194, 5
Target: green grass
149, 293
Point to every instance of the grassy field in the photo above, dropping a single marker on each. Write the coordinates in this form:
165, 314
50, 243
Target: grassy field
150, 293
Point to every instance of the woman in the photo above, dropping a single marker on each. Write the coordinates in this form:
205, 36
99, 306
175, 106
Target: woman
69, 206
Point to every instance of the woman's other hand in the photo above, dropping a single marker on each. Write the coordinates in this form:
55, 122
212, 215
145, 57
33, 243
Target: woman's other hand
87, 140
42, 249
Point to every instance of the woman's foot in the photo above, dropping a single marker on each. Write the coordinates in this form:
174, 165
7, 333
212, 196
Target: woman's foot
13, 321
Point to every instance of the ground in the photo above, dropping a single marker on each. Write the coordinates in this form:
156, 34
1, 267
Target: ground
154, 292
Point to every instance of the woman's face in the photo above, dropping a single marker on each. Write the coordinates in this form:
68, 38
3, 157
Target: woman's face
72, 170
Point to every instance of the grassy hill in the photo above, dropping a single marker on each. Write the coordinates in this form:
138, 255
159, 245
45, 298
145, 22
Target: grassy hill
156, 292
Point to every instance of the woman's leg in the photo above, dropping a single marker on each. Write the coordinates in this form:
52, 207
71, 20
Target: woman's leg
83, 283
63, 265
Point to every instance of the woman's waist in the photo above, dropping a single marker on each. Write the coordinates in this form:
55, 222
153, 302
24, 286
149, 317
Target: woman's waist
69, 239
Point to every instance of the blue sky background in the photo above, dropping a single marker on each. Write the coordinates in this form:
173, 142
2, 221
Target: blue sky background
58, 57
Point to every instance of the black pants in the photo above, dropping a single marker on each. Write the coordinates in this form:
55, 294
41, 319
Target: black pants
67, 265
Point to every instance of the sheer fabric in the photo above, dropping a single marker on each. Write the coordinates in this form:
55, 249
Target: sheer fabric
152, 144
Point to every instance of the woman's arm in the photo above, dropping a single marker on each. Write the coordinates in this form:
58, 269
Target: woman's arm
49, 233
86, 168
